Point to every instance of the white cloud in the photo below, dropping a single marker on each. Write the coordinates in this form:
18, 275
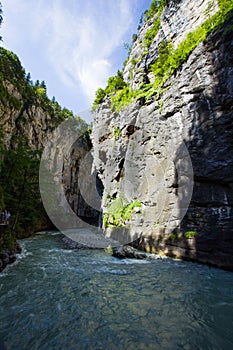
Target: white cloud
75, 39
80, 45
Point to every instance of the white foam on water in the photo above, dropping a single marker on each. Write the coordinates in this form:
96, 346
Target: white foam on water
105, 269
51, 233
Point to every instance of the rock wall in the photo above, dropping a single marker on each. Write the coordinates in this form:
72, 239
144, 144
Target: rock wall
23, 113
177, 20
30, 121
174, 154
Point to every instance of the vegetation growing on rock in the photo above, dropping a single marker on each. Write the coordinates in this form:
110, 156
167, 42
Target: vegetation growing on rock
119, 213
156, 8
168, 60
26, 93
190, 234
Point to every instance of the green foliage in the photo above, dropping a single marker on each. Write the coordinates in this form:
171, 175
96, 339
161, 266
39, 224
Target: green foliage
99, 96
134, 37
115, 84
119, 214
7, 98
190, 234
117, 132
156, 7
151, 33
134, 61
8, 239
121, 98
20, 184
164, 64
2, 202
41, 92
173, 236
12, 73
19, 165
169, 59
11, 69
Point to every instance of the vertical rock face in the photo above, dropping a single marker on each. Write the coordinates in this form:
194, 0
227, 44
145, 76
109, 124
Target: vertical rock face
77, 181
30, 121
177, 20
173, 155
24, 115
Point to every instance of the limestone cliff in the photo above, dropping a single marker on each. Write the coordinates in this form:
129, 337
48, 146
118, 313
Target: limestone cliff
165, 159
28, 119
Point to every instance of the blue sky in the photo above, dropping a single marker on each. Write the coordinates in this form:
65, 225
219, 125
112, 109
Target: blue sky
73, 45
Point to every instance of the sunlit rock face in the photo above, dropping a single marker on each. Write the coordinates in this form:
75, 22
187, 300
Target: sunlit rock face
173, 154
177, 20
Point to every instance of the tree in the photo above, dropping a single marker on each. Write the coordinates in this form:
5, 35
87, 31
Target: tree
42, 85
28, 79
134, 37
115, 83
20, 183
99, 96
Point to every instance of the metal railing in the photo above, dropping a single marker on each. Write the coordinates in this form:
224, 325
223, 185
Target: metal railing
4, 218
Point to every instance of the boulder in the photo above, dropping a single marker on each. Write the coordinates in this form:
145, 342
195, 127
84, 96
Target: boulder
124, 252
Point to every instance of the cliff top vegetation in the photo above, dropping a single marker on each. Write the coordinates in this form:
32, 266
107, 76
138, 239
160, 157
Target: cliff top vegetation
168, 59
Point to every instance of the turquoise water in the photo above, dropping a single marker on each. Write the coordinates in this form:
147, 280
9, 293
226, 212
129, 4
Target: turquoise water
56, 298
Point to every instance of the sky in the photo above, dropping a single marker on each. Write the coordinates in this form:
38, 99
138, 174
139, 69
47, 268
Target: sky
73, 45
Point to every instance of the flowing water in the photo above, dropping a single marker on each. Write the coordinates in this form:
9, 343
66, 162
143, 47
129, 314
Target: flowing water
56, 298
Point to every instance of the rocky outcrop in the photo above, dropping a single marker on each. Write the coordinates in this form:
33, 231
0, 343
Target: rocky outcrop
31, 122
173, 154
124, 252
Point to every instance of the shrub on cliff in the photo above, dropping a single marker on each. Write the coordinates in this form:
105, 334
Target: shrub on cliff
168, 59
115, 84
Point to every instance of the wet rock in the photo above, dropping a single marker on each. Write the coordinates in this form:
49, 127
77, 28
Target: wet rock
124, 252
5, 258
18, 248
9, 256
12, 258
70, 244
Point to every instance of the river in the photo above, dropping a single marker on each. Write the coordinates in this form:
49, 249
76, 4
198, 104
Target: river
56, 298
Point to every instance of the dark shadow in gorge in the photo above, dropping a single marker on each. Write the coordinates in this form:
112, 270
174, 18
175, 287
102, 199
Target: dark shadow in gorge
83, 190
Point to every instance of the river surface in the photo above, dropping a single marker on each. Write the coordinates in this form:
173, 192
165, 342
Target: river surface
56, 298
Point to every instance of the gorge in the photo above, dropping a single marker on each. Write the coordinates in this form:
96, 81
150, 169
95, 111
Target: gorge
161, 139
154, 172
